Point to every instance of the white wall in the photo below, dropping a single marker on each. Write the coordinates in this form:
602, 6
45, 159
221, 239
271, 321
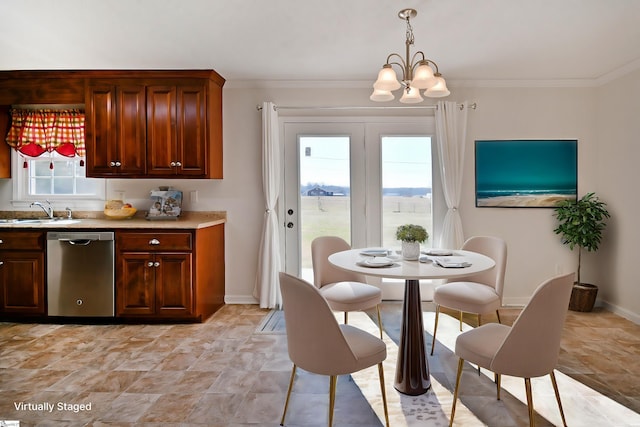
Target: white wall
618, 170
535, 253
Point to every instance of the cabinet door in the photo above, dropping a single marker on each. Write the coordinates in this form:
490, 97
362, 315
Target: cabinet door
100, 129
22, 282
192, 145
135, 284
177, 130
161, 130
115, 130
173, 284
132, 136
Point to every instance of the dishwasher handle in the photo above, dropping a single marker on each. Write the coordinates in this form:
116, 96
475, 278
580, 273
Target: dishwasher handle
78, 242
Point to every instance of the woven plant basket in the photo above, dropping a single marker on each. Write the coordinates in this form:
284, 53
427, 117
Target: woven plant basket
583, 297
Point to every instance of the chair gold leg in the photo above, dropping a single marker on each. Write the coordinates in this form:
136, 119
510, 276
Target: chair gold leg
498, 314
379, 319
461, 321
555, 388
532, 414
346, 317
455, 393
384, 393
332, 396
286, 402
498, 378
435, 329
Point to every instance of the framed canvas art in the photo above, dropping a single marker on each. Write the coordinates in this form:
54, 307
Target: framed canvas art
525, 173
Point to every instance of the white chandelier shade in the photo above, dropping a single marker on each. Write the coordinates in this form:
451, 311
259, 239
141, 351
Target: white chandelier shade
418, 73
411, 95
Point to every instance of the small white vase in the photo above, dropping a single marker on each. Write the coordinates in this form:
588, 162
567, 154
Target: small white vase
410, 250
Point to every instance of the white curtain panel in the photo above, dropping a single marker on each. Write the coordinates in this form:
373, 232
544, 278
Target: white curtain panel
451, 131
267, 288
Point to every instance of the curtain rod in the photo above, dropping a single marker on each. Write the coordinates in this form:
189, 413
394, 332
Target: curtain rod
418, 107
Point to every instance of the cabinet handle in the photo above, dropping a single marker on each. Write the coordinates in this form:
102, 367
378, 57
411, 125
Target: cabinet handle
172, 164
1, 241
178, 164
154, 242
118, 164
150, 264
112, 164
156, 264
1, 263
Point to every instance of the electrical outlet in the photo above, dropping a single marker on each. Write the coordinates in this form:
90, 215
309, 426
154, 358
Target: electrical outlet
193, 196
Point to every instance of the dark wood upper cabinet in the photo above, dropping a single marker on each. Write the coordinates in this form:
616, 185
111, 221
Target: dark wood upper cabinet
139, 123
177, 130
115, 129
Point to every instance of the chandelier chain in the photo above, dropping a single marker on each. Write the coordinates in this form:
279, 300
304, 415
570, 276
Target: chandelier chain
410, 38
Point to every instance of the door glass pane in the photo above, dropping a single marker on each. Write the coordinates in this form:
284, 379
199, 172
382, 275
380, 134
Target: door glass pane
406, 185
324, 192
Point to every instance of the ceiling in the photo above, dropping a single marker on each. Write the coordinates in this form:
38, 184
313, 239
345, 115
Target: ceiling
329, 40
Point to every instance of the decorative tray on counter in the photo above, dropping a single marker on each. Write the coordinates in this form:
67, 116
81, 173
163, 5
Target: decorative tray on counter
166, 204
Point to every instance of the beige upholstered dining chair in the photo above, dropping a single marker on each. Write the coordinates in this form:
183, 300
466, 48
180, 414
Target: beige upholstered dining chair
528, 349
318, 344
480, 293
343, 290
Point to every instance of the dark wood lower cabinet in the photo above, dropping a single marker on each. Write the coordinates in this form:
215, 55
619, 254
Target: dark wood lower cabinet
22, 273
167, 275
155, 284
170, 274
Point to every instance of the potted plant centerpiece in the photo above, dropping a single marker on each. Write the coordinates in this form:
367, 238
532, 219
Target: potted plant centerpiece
581, 223
411, 235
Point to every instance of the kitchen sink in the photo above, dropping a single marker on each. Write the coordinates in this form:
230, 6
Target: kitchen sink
53, 221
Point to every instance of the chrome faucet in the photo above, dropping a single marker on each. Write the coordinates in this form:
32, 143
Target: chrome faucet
47, 209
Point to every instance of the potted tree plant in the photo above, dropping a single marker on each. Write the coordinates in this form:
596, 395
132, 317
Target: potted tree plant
411, 235
581, 223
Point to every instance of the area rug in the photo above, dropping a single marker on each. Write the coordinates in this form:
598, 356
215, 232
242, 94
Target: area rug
432, 407
477, 405
273, 323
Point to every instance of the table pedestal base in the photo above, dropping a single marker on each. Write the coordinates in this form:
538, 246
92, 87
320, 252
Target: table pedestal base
412, 369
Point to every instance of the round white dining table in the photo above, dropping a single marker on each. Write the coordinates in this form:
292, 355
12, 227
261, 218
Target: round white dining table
412, 367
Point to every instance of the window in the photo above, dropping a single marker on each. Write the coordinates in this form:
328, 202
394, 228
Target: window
406, 185
358, 179
55, 178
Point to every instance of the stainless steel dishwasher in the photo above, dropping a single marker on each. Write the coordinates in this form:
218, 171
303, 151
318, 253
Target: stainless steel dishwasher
80, 276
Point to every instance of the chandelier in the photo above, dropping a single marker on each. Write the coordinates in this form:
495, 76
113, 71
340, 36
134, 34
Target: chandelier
418, 73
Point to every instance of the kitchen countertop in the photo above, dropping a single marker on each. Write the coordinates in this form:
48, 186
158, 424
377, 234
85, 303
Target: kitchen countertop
97, 220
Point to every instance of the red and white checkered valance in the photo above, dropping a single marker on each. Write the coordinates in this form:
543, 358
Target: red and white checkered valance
35, 132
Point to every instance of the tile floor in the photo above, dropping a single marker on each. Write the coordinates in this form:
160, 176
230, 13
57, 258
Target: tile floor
225, 373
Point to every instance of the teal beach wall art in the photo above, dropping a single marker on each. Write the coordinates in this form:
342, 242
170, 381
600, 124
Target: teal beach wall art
525, 173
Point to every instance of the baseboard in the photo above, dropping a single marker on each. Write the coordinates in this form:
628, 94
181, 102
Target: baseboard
240, 299
622, 312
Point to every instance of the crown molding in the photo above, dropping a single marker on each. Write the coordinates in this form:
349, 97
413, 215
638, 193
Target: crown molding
619, 72
452, 83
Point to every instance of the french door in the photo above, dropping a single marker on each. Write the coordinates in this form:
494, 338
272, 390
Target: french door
357, 179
